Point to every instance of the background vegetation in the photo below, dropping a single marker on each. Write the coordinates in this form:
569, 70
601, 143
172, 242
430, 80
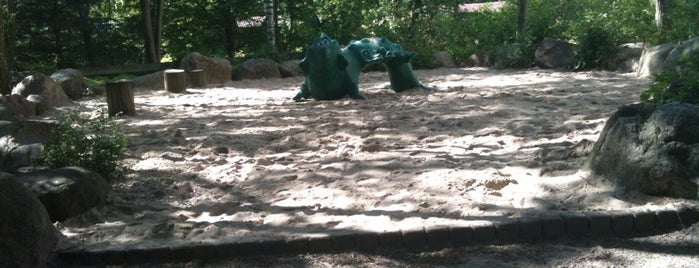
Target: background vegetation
44, 35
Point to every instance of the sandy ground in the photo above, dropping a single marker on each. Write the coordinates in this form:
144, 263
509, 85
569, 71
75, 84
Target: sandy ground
242, 159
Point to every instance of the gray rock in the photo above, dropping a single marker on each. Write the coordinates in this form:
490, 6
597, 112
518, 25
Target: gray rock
651, 148
35, 131
686, 48
290, 68
7, 127
628, 57
6, 112
22, 156
479, 59
43, 90
218, 70
28, 237
153, 81
653, 59
444, 59
68, 191
19, 106
555, 54
258, 69
72, 82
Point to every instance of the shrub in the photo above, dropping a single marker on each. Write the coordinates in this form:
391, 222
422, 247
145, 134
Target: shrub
94, 143
596, 46
519, 54
680, 84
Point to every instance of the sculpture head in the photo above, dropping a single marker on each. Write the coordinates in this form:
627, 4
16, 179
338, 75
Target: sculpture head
365, 49
393, 53
324, 51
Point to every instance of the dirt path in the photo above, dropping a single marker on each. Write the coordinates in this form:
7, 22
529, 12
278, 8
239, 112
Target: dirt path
243, 160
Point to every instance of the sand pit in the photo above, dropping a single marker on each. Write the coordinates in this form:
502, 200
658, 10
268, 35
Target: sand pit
243, 160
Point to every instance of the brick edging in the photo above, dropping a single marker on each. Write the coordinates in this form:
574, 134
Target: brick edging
523, 229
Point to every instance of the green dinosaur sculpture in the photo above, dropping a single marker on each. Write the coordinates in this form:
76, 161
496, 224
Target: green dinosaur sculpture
397, 62
329, 74
333, 73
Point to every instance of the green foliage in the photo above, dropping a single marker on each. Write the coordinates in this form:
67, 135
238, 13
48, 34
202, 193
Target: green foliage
96, 144
72, 33
684, 26
518, 54
596, 47
681, 84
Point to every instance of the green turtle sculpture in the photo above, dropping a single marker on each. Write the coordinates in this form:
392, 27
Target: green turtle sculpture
333, 73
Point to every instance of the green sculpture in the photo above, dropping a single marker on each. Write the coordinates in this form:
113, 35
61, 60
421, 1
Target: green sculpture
397, 62
332, 73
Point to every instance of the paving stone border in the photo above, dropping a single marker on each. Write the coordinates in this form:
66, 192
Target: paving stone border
514, 230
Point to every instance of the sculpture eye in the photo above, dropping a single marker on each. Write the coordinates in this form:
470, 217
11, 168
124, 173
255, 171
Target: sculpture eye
324, 42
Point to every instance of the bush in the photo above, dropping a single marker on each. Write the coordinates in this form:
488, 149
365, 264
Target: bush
681, 84
95, 144
519, 54
596, 46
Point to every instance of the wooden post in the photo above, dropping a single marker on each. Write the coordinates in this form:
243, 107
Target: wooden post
197, 78
120, 98
175, 81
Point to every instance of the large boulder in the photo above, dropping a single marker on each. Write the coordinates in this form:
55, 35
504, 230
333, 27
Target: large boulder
290, 68
22, 156
555, 54
218, 70
72, 82
19, 106
258, 69
628, 57
8, 120
152, 81
28, 237
68, 191
685, 49
43, 91
653, 59
478, 59
444, 59
651, 148
21, 147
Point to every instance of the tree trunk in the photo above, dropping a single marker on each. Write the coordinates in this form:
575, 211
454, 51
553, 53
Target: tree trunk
56, 23
158, 28
230, 30
4, 67
11, 36
269, 8
86, 30
148, 32
522, 18
120, 98
662, 21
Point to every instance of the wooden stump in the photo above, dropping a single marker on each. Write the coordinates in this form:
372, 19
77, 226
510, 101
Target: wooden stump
120, 98
175, 81
197, 78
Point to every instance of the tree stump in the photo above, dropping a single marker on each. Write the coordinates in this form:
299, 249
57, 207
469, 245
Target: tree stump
197, 78
175, 81
120, 98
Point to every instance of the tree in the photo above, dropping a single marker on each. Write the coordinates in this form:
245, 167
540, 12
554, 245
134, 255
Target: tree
86, 30
662, 21
270, 21
522, 18
148, 36
4, 66
152, 34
